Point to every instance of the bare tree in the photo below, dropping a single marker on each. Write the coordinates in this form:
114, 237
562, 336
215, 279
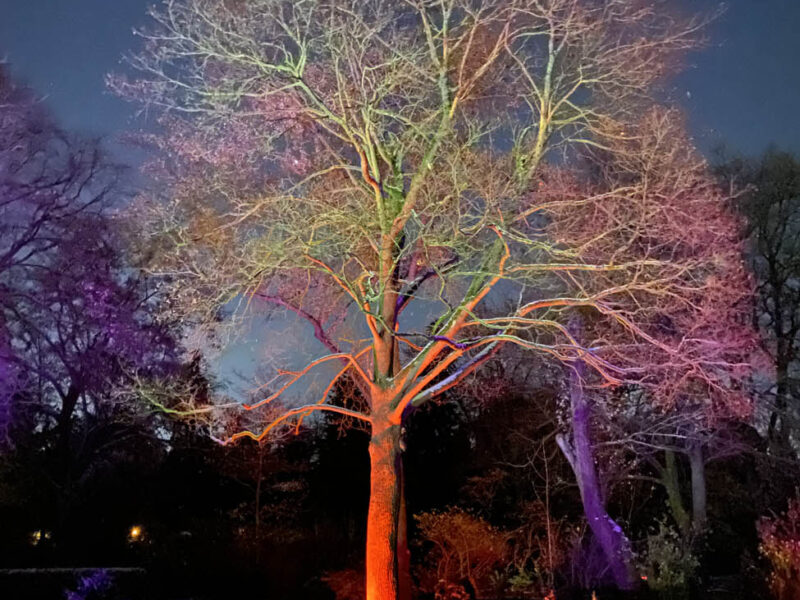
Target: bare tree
770, 202
44, 181
347, 160
75, 320
661, 200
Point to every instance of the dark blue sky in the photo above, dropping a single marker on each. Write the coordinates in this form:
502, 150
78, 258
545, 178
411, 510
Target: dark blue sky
64, 48
743, 90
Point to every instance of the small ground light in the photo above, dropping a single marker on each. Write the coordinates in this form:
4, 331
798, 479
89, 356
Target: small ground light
38, 536
135, 533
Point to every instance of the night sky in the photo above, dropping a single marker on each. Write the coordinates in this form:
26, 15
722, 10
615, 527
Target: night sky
742, 91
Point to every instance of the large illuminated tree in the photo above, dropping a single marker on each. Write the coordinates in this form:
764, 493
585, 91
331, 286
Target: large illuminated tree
357, 161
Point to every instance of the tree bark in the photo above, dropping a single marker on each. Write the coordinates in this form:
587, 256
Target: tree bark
778, 432
384, 511
699, 502
669, 477
613, 541
64, 427
64, 458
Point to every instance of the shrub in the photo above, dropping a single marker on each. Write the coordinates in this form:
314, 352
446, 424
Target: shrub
669, 563
780, 544
464, 547
347, 584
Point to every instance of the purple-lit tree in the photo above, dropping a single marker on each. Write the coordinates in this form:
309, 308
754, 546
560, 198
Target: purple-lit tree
657, 204
80, 325
76, 323
46, 182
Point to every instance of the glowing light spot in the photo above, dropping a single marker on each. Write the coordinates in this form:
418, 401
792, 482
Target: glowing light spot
38, 536
135, 533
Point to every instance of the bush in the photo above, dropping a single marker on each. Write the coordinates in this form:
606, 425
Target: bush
780, 544
463, 546
669, 563
347, 584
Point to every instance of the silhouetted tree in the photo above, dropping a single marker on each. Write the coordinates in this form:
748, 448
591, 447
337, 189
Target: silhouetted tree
769, 189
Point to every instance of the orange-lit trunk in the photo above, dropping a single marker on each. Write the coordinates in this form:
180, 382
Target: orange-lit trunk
384, 511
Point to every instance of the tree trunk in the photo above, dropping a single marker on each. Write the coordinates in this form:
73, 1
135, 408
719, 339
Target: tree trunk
64, 458
778, 432
613, 541
671, 482
64, 426
384, 511
699, 502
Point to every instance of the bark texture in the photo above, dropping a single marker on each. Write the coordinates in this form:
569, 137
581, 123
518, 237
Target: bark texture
699, 501
671, 481
384, 511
